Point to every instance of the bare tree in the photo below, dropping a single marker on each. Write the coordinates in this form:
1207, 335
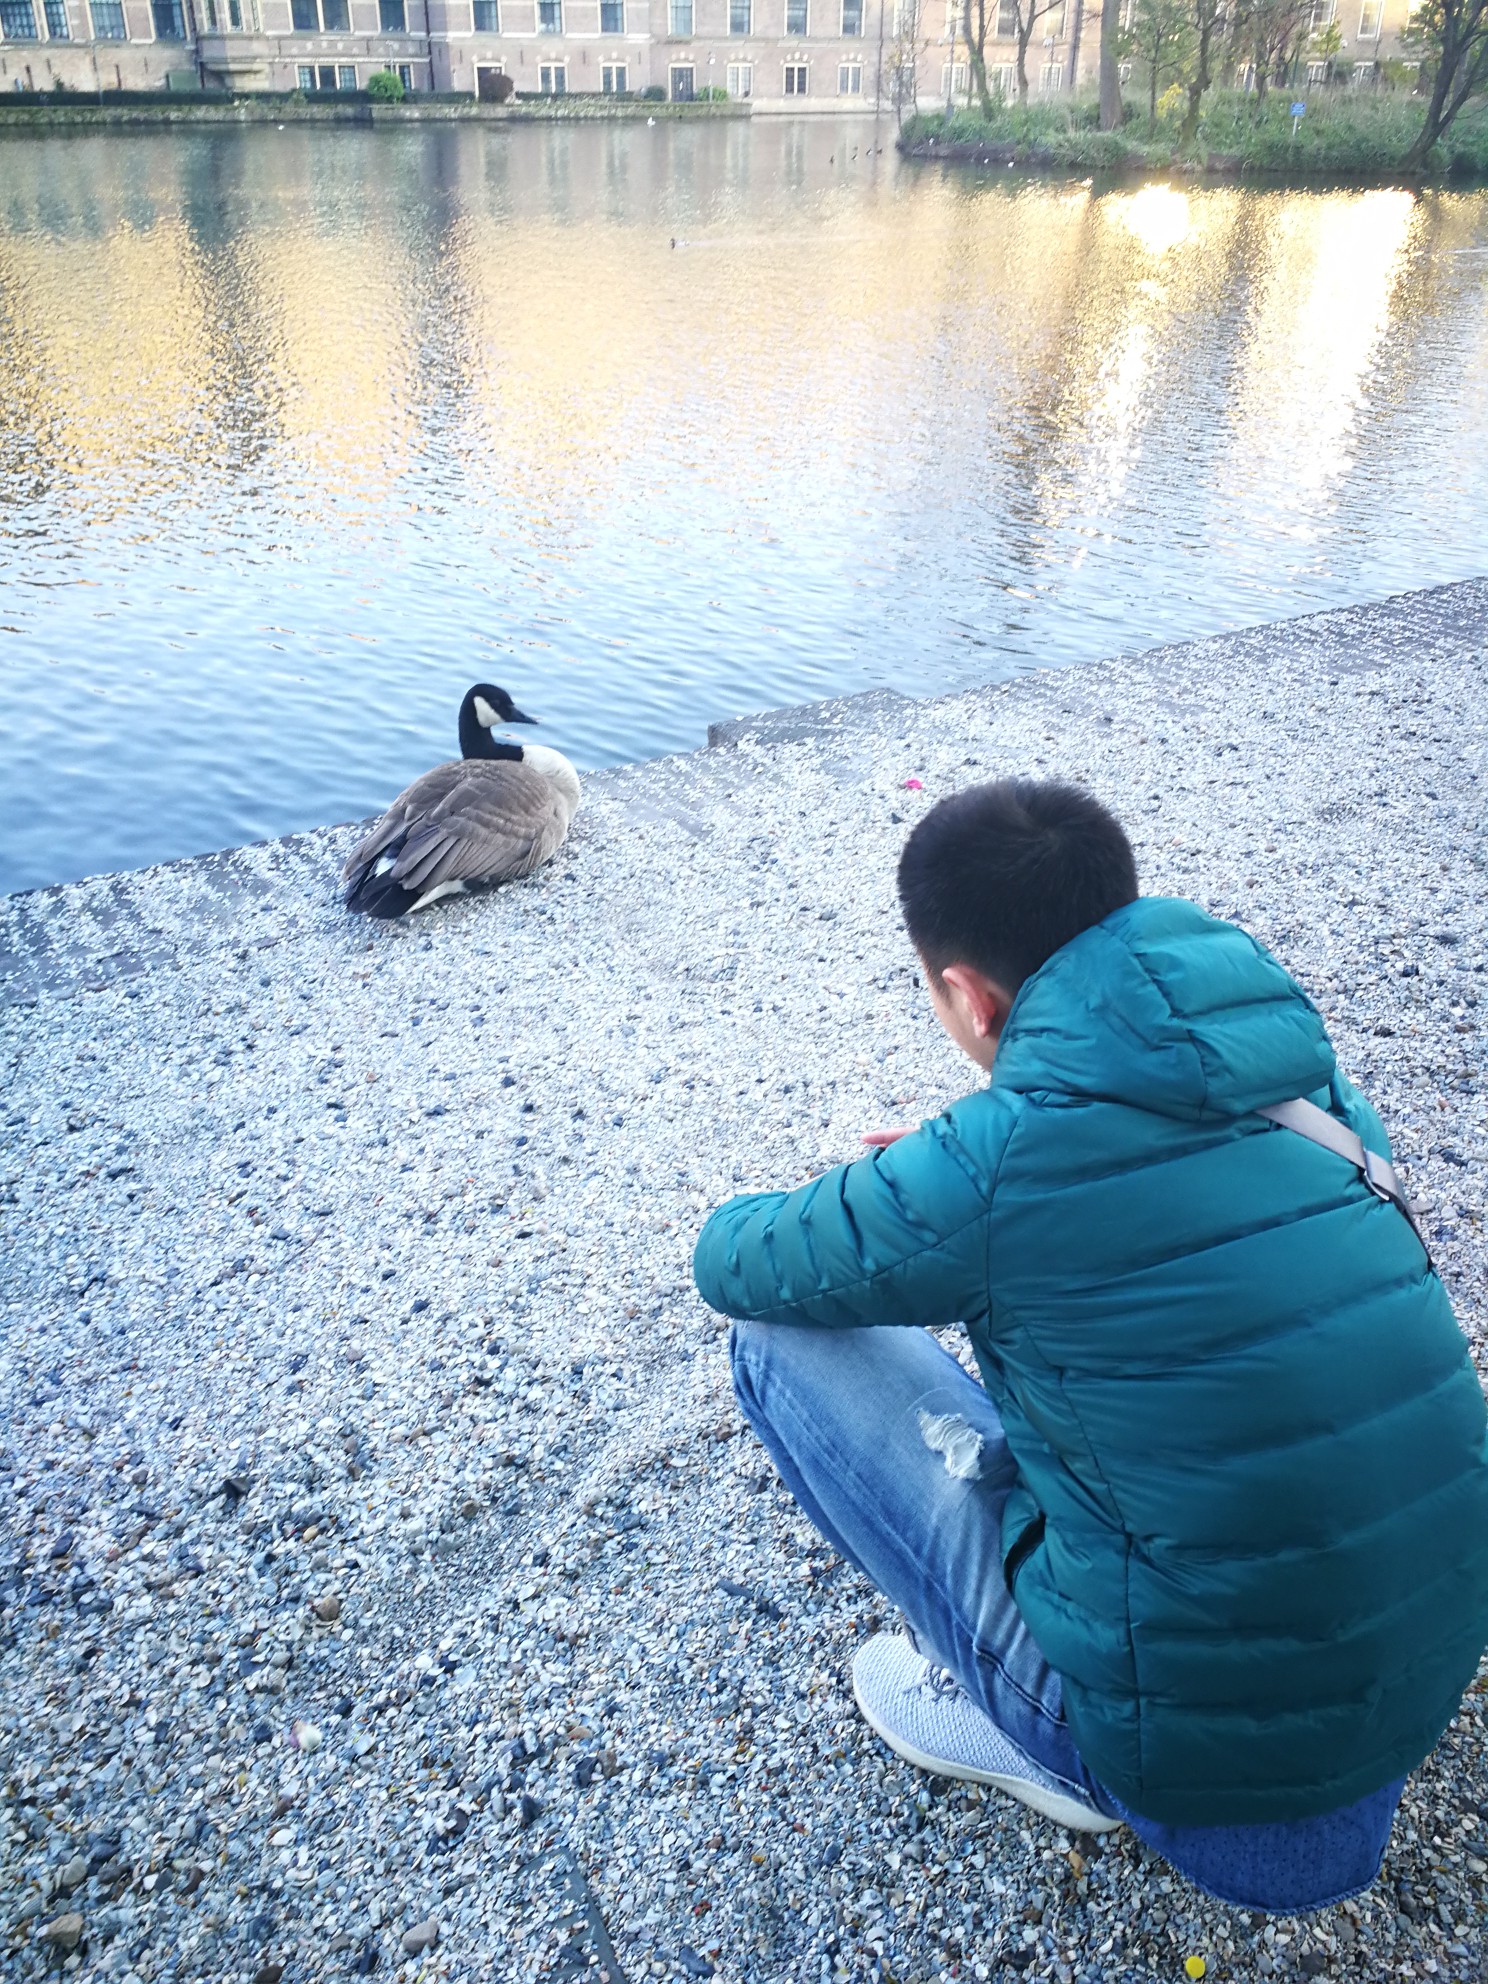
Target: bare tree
1161, 40
1110, 67
977, 19
1023, 16
1207, 17
1455, 33
1276, 31
904, 59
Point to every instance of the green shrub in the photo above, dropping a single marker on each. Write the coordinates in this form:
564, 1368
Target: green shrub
385, 86
1342, 131
653, 93
711, 93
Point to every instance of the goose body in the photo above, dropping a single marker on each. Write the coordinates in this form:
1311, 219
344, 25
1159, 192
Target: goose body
491, 815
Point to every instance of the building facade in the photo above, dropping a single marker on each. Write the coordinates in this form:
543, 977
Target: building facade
792, 56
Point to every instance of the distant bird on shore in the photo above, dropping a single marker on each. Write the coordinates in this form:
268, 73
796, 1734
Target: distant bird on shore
491, 815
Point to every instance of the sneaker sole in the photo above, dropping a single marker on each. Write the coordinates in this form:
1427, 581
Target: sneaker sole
1067, 1812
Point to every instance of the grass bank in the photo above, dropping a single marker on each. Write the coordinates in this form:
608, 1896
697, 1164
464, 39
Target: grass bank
1342, 133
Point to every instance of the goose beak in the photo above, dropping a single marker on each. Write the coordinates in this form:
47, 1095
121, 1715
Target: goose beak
517, 716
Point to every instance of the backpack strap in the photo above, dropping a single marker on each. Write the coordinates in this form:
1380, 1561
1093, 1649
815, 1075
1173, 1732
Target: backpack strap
1320, 1128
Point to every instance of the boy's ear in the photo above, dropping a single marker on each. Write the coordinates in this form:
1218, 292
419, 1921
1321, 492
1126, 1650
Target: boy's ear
986, 1002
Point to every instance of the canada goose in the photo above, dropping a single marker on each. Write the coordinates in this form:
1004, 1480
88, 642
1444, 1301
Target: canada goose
496, 812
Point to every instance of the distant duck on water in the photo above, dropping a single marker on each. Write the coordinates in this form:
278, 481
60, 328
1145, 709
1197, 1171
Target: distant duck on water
493, 814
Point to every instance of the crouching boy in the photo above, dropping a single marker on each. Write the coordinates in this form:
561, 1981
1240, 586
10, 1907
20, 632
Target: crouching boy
1207, 1550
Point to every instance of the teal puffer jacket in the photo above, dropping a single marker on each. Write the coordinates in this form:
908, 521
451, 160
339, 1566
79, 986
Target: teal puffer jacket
1253, 1451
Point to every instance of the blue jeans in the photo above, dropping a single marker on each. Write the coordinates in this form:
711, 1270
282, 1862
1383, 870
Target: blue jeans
843, 1415
856, 1421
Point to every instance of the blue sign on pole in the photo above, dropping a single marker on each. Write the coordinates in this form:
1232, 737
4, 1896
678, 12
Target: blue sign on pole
1299, 110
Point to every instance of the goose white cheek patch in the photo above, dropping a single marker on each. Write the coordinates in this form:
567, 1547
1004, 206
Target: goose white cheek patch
959, 1445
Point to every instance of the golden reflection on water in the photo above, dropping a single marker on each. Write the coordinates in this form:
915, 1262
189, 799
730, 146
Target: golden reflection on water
565, 341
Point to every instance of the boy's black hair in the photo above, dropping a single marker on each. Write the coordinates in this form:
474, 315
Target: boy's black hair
1001, 875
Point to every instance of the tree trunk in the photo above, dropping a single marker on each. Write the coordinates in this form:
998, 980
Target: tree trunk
1431, 130
1200, 83
1079, 28
1023, 34
1152, 98
975, 44
1110, 73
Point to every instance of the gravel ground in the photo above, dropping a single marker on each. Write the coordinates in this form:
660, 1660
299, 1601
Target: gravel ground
389, 1583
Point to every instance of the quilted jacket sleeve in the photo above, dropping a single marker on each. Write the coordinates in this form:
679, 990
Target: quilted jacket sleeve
896, 1237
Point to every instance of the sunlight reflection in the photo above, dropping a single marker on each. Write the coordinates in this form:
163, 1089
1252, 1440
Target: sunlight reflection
1158, 217
1317, 319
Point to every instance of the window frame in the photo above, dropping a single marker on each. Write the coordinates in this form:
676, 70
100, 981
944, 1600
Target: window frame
172, 9
384, 8
797, 79
492, 24
677, 12
800, 10
849, 9
14, 9
735, 72
611, 70
846, 70
740, 10
676, 69
557, 78
616, 9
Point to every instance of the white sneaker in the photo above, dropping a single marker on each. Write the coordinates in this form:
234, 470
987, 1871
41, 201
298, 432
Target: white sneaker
926, 1717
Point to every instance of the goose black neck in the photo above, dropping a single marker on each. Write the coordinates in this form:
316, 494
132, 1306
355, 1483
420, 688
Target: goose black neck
477, 742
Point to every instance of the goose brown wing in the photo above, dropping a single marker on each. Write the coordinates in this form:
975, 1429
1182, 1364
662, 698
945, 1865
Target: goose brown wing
414, 803
490, 823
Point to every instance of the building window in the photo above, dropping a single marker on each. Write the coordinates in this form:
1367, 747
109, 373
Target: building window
108, 20
741, 79
550, 16
1323, 12
17, 21
1002, 78
679, 18
684, 81
796, 16
552, 79
392, 16
487, 17
795, 79
1051, 78
56, 19
849, 79
953, 80
613, 80
346, 76
1369, 20
304, 16
852, 17
405, 75
741, 17
612, 16
1007, 20
1317, 72
169, 24
335, 17
307, 76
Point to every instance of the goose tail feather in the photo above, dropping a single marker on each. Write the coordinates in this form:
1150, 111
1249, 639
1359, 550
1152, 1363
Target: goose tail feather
381, 896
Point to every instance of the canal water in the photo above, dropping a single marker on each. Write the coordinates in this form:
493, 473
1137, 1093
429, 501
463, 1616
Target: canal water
302, 431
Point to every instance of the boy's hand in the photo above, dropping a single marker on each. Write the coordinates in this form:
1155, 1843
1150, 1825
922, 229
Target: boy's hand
881, 1139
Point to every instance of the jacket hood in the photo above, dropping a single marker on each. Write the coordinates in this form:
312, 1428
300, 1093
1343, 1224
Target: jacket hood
1167, 1009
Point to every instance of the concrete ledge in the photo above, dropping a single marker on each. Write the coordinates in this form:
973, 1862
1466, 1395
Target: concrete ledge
82, 936
353, 1381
